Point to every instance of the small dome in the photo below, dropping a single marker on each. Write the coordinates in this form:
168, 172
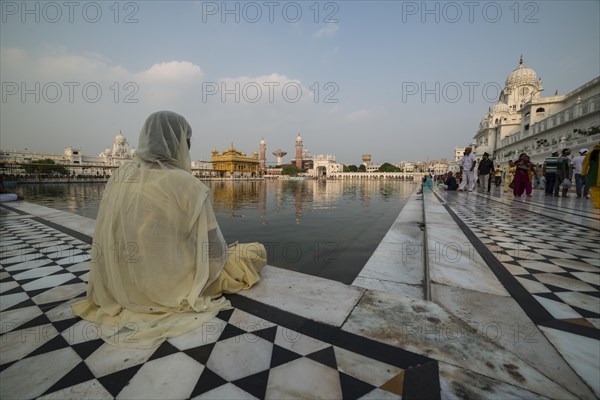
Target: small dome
500, 107
107, 151
521, 75
262, 141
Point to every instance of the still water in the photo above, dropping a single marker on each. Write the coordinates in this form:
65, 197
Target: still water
322, 228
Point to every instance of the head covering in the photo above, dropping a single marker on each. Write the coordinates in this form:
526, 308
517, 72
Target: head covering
566, 152
555, 154
583, 151
164, 141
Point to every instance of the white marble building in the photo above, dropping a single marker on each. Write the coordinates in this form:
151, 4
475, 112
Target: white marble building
118, 153
111, 157
324, 166
524, 121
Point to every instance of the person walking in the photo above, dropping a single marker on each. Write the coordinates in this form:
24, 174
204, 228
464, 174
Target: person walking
539, 174
485, 169
468, 167
550, 167
509, 175
563, 173
580, 181
591, 170
498, 176
530, 176
521, 182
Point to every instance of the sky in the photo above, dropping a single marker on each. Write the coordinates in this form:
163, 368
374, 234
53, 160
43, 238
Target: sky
399, 80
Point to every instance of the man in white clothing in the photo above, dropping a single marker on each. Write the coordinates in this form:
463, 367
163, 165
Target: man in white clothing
468, 167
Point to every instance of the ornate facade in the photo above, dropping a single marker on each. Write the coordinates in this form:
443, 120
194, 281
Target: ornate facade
324, 166
118, 153
235, 164
524, 121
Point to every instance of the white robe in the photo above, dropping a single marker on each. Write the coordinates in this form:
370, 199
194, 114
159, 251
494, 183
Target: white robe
159, 261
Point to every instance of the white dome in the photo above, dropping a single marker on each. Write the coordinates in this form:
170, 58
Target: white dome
107, 152
521, 75
500, 107
119, 139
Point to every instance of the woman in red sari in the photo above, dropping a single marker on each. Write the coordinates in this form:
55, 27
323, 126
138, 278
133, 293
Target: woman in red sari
521, 180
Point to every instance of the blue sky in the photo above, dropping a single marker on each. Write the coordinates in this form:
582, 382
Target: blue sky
361, 58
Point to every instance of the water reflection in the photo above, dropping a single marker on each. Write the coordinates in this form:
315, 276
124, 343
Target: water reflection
325, 228
77, 198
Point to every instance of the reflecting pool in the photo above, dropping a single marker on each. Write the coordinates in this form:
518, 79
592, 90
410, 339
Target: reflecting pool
323, 228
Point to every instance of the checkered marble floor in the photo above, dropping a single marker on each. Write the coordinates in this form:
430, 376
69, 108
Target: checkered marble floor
251, 351
550, 252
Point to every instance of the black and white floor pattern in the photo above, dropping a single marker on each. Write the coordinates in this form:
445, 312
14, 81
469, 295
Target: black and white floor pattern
550, 252
251, 351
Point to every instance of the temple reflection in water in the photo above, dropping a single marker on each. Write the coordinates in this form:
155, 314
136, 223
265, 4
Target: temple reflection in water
273, 197
325, 228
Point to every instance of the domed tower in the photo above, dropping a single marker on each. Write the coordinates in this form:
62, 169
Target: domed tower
521, 86
299, 151
263, 154
366, 159
120, 146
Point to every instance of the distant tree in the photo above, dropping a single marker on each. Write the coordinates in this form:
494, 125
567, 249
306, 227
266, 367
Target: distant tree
289, 169
362, 168
387, 167
350, 168
46, 166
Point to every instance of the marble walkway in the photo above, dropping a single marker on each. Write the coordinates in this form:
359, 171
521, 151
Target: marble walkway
469, 295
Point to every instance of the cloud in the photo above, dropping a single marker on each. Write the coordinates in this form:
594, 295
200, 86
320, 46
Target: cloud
160, 85
359, 115
329, 29
12, 57
264, 89
171, 72
164, 84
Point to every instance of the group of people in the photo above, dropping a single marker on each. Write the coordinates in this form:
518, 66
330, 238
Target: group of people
560, 171
555, 175
468, 177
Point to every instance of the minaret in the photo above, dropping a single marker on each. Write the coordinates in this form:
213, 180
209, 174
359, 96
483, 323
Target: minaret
299, 151
263, 154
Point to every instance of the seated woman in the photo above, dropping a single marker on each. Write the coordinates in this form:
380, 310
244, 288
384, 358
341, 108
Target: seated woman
159, 261
450, 183
5, 194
